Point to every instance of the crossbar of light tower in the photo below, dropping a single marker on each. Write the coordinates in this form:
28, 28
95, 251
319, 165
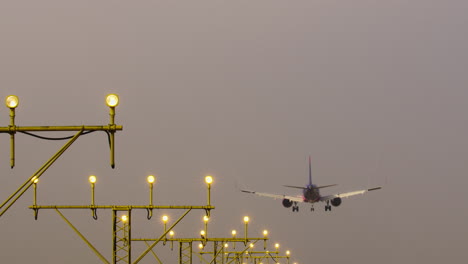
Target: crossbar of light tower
12, 102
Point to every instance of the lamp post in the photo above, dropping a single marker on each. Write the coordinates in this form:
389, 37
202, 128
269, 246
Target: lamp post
246, 223
12, 102
165, 218
151, 179
209, 181
205, 221
35, 181
203, 236
112, 100
277, 248
265, 235
171, 235
234, 233
92, 181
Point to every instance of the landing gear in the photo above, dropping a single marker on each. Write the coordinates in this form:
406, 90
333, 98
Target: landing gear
328, 206
295, 207
312, 208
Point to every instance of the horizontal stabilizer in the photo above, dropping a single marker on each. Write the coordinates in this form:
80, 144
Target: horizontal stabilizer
325, 186
297, 187
314, 187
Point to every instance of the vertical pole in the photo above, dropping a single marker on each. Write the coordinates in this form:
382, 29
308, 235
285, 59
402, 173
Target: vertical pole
151, 194
215, 251
180, 252
35, 193
92, 194
190, 252
112, 131
129, 236
114, 236
209, 194
12, 137
246, 227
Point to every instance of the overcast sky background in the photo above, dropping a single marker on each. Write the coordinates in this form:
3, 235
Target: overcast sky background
375, 91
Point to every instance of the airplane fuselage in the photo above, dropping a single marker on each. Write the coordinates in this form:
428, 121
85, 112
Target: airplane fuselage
311, 194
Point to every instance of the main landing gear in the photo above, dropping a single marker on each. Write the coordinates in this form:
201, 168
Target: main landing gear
328, 206
295, 207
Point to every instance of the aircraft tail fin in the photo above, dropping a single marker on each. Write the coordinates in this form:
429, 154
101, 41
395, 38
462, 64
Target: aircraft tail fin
310, 172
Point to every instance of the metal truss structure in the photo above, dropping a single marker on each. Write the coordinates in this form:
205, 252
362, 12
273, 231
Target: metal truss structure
122, 214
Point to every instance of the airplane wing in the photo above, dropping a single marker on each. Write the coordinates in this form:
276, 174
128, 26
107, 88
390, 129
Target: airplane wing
346, 195
277, 196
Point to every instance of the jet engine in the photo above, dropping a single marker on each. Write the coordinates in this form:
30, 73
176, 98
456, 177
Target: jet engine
336, 201
287, 203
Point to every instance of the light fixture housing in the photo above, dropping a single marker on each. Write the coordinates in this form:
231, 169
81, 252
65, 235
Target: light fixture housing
92, 179
11, 101
112, 100
209, 179
151, 179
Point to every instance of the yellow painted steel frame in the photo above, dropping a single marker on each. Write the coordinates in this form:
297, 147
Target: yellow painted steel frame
23, 188
122, 231
83, 237
121, 235
185, 244
12, 129
184, 256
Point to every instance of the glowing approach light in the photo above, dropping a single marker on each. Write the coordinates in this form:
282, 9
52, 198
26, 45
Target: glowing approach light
92, 179
165, 218
112, 100
150, 179
209, 179
12, 101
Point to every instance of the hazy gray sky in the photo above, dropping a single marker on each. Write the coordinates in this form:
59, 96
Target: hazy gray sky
374, 91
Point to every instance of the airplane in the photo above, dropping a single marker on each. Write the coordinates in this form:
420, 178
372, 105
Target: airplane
311, 194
